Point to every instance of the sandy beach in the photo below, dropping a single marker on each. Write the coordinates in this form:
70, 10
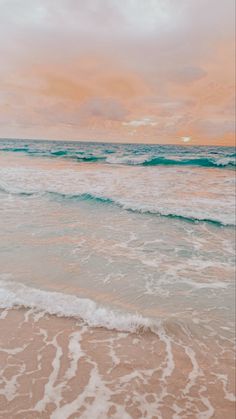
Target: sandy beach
54, 367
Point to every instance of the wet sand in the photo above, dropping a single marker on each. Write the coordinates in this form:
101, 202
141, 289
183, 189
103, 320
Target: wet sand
57, 367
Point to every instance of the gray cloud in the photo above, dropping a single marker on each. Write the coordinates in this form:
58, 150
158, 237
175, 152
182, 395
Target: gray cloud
144, 32
103, 108
215, 128
188, 74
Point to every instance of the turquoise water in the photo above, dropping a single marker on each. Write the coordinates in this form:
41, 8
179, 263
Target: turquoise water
119, 227
138, 154
129, 237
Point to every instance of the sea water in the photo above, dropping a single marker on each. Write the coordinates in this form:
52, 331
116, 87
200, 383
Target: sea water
128, 238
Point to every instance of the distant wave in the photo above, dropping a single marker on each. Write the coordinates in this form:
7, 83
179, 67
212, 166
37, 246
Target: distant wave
15, 149
13, 294
59, 153
90, 158
203, 162
55, 153
121, 204
74, 156
110, 157
225, 162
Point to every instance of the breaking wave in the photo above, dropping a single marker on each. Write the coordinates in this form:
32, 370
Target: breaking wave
202, 162
128, 206
13, 294
144, 156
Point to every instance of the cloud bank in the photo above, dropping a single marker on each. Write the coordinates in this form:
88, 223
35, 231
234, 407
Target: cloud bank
144, 70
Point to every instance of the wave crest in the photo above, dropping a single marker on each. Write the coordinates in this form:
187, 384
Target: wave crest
13, 294
131, 158
121, 204
202, 162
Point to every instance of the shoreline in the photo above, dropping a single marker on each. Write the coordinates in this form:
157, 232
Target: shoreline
58, 367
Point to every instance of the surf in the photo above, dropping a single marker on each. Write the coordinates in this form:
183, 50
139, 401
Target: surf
103, 200
123, 154
16, 295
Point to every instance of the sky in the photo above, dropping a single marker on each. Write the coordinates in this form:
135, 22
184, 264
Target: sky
155, 71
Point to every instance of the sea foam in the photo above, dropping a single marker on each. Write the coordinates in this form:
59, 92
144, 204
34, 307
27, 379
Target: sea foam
170, 192
14, 294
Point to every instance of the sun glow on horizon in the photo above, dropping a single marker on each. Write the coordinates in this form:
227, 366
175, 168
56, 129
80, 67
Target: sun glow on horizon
67, 74
186, 139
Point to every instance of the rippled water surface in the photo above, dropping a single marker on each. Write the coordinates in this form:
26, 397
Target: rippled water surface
126, 237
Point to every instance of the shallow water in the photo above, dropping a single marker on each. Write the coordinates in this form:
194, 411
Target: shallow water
57, 367
127, 245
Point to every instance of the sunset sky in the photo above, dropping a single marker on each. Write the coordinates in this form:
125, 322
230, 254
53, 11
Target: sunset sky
158, 71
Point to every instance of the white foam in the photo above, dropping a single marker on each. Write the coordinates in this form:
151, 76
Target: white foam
52, 392
228, 395
131, 160
13, 294
194, 373
190, 195
224, 161
10, 386
75, 353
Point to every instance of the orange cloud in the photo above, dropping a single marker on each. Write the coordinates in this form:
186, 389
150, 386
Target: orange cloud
61, 87
155, 72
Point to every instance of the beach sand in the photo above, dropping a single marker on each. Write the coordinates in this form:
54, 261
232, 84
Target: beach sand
58, 367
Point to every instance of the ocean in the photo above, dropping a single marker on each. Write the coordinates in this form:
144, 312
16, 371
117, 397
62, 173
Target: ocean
117, 280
